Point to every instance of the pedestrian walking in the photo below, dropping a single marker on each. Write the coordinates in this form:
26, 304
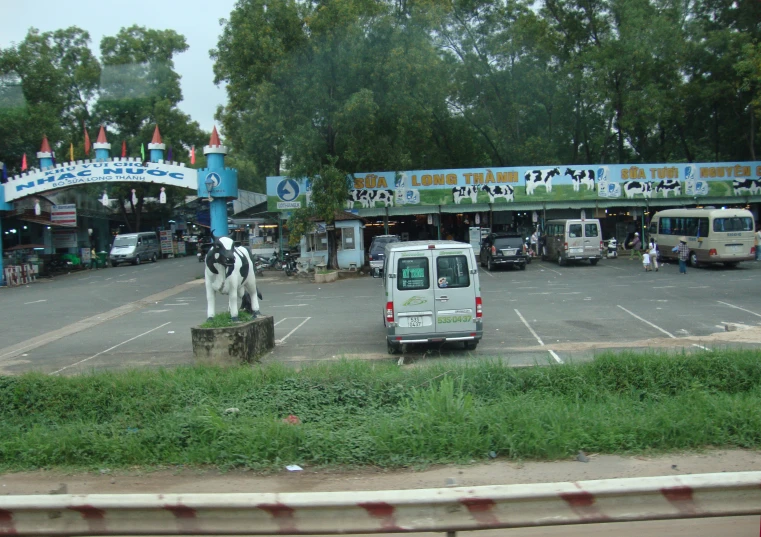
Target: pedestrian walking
535, 241
684, 253
636, 245
93, 259
652, 249
758, 243
646, 261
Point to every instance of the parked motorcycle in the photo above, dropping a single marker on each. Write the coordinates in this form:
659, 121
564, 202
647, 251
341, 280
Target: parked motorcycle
291, 264
273, 262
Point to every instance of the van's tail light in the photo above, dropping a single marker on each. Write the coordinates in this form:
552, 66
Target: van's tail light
493, 250
565, 246
479, 308
601, 245
752, 250
713, 252
389, 312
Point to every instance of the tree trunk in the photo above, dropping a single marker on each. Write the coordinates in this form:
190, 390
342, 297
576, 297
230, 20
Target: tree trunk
332, 250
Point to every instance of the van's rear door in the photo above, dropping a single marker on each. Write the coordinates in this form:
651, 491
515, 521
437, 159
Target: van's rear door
592, 238
455, 288
412, 296
575, 239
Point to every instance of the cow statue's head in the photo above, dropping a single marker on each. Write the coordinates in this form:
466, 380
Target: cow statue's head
222, 252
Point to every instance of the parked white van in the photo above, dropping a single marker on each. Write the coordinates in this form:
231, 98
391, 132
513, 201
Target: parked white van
572, 240
134, 248
433, 294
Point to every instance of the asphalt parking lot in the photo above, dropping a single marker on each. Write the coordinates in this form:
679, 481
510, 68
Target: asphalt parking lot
141, 316
544, 314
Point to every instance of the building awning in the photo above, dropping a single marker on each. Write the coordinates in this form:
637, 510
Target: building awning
43, 219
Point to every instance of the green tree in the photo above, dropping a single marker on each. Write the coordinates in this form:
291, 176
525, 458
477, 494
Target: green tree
330, 189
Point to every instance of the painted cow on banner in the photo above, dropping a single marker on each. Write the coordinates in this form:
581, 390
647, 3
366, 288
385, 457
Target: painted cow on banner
499, 191
386, 197
229, 271
361, 196
746, 186
632, 188
668, 185
581, 177
535, 178
460, 193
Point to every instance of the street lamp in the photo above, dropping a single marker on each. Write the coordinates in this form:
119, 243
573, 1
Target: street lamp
209, 185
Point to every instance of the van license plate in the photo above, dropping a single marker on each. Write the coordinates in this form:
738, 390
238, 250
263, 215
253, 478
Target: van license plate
415, 322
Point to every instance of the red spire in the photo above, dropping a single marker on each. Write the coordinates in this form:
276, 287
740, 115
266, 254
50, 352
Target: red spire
102, 136
214, 141
156, 136
45, 146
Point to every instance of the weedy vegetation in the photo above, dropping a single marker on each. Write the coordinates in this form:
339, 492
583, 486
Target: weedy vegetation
358, 413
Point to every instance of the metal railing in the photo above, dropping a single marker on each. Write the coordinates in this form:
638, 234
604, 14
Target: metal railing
429, 510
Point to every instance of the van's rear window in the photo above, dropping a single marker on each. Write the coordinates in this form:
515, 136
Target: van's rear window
413, 274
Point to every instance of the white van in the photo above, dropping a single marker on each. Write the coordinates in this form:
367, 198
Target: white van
433, 294
134, 248
572, 240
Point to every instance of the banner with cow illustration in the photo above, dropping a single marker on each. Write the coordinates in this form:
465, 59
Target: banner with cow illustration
530, 184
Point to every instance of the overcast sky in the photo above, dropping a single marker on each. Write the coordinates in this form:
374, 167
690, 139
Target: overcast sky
197, 20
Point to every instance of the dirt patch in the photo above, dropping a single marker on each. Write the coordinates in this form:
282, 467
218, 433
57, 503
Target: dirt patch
320, 480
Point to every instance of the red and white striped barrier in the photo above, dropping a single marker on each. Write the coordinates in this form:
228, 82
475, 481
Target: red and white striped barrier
429, 510
20, 274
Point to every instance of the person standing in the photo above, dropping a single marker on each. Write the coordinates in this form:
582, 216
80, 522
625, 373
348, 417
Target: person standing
93, 259
646, 261
758, 243
683, 253
652, 249
535, 241
636, 246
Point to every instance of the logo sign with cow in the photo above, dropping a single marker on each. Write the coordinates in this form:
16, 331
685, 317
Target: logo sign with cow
503, 186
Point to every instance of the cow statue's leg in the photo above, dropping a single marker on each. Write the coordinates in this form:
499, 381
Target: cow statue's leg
250, 285
210, 298
234, 303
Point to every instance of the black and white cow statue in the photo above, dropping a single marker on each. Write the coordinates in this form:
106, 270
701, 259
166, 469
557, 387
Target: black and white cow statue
746, 186
460, 193
665, 186
581, 177
632, 188
386, 197
535, 178
230, 271
499, 191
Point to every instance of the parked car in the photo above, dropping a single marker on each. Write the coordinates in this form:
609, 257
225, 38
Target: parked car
503, 249
377, 246
433, 294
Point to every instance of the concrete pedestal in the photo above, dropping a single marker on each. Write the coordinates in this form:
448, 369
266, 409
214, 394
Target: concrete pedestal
240, 344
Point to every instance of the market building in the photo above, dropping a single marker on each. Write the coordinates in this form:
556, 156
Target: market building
465, 204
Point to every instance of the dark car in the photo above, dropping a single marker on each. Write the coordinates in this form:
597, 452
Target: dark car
501, 249
377, 247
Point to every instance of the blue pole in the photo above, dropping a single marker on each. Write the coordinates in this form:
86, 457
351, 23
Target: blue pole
218, 183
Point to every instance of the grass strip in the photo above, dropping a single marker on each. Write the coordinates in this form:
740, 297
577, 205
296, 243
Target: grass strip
358, 413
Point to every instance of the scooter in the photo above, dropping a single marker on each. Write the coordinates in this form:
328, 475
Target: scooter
612, 248
272, 262
291, 265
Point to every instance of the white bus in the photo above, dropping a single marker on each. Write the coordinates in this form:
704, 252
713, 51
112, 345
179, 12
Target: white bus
713, 235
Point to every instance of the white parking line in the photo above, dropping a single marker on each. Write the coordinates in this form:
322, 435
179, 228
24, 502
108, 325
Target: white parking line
663, 287
292, 331
738, 308
552, 353
35, 302
110, 349
702, 347
552, 269
647, 322
482, 271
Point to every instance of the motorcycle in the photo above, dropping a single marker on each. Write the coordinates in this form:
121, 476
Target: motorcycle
291, 264
612, 248
272, 262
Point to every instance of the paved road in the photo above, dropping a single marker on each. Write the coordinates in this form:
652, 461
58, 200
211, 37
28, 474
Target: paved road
142, 315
